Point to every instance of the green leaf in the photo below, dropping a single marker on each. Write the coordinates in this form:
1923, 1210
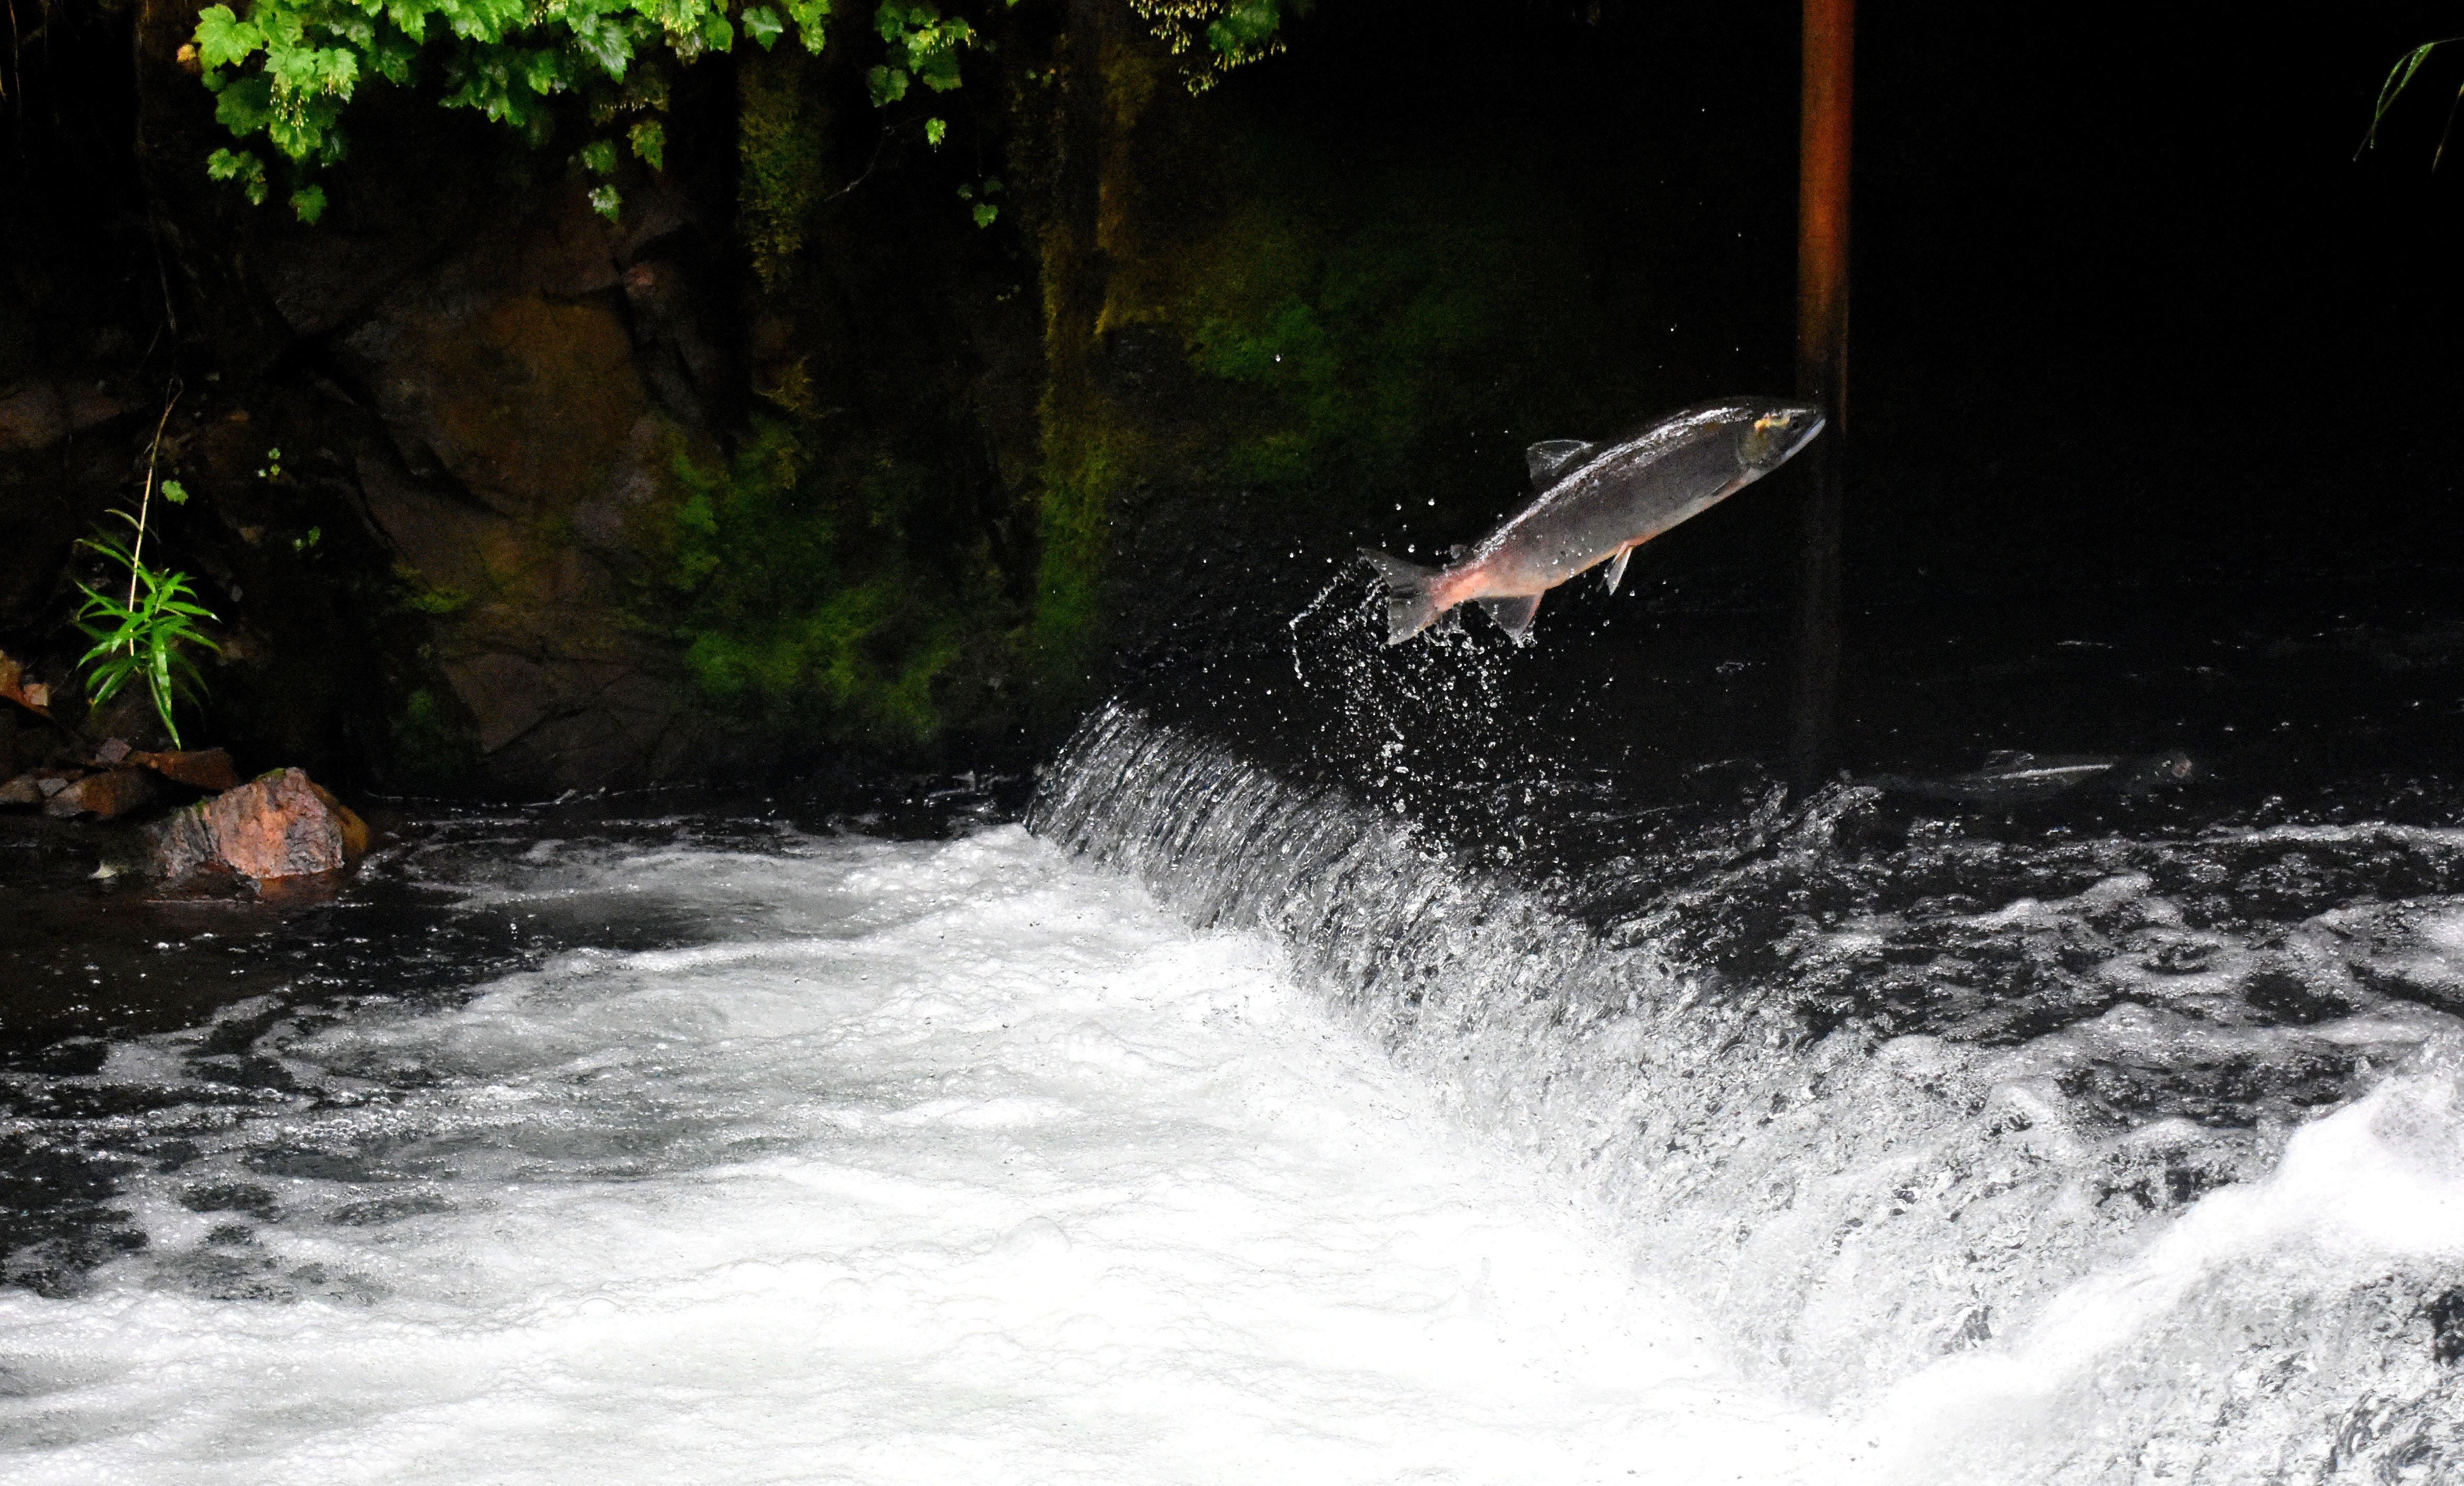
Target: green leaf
887, 85
224, 39
394, 57
544, 72
609, 44
1238, 31
606, 201
985, 213
226, 165
142, 638
650, 143
716, 33
809, 16
309, 203
935, 130
245, 106
175, 492
600, 155
763, 25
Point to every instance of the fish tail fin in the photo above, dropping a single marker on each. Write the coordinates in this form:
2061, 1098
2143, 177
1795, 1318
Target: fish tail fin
1410, 600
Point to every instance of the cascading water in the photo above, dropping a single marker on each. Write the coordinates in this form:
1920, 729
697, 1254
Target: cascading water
2093, 1156
742, 1152
1662, 1130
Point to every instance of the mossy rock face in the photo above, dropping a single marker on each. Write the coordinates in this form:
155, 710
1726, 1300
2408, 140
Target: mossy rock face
523, 434
794, 458
1310, 325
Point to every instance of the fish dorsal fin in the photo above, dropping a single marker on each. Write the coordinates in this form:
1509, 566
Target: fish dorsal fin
1551, 458
1616, 567
1513, 614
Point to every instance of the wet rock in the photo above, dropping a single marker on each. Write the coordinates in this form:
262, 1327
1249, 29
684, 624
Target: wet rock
17, 687
38, 415
129, 717
277, 826
526, 442
199, 768
106, 796
37, 785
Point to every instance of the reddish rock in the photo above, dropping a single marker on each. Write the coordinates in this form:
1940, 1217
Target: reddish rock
32, 695
355, 831
36, 786
105, 795
183, 843
207, 768
277, 826
39, 415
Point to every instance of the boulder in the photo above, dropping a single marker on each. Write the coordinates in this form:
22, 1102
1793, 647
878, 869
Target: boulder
277, 826
36, 786
525, 445
113, 793
21, 689
199, 768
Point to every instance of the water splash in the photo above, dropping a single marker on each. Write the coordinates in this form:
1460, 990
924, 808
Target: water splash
1880, 1100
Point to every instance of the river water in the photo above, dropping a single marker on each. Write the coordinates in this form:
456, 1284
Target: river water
908, 1161
1352, 1086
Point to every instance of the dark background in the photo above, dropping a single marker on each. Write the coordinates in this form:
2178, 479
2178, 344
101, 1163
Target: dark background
2127, 308
2130, 316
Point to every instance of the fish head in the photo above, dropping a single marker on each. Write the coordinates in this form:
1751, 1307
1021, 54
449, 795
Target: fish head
1771, 432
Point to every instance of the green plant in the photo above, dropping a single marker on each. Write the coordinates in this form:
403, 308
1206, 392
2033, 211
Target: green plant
2399, 77
804, 590
140, 635
1213, 37
144, 634
286, 71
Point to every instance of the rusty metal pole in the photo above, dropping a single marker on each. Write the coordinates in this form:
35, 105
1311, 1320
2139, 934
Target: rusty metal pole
1822, 374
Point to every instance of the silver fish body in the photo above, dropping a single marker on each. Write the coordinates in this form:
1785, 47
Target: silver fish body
1594, 503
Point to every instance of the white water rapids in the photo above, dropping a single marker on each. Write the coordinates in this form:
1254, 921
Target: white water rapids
970, 1162
946, 1163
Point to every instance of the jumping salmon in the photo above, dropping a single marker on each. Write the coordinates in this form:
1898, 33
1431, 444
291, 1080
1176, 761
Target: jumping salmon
1596, 503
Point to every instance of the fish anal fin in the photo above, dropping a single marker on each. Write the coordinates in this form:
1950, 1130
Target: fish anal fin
1513, 614
1616, 567
1551, 458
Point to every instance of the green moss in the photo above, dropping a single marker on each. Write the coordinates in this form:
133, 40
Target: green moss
424, 598
1387, 319
781, 125
791, 579
434, 744
1362, 315
1080, 472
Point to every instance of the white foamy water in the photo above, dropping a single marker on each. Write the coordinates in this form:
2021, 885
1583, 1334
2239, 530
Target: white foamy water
944, 1162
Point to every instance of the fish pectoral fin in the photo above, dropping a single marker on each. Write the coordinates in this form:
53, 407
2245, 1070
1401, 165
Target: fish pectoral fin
1549, 459
1616, 567
1513, 614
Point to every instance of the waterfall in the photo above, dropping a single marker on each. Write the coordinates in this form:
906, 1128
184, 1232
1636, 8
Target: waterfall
2113, 1157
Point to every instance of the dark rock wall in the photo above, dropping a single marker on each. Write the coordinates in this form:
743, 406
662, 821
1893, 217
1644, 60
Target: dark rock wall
793, 466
